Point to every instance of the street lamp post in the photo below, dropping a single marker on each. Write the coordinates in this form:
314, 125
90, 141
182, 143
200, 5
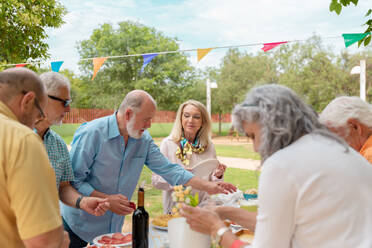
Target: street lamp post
361, 70
209, 86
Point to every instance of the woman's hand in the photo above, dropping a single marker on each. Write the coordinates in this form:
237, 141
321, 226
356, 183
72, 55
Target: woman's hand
220, 170
201, 220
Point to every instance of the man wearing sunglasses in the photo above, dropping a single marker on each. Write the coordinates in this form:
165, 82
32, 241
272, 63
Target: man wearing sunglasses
29, 212
58, 104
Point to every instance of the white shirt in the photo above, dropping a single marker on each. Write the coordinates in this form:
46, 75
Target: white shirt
314, 194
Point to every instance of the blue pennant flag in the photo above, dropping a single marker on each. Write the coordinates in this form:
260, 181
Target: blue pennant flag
56, 65
146, 59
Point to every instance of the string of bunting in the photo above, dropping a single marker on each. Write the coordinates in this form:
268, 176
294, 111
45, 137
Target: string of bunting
349, 39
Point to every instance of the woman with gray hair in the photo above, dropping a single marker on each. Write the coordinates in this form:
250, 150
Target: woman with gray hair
313, 190
188, 144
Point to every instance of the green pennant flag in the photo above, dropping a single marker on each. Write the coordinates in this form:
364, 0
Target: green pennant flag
352, 38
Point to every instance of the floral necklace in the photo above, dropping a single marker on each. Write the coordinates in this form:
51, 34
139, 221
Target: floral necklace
186, 148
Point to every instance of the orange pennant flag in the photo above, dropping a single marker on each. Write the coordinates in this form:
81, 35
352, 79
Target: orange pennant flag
97, 63
203, 52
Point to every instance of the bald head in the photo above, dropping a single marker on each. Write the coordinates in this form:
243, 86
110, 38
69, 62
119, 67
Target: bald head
15, 80
134, 100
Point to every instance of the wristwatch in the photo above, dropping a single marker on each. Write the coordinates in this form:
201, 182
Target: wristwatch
77, 203
219, 234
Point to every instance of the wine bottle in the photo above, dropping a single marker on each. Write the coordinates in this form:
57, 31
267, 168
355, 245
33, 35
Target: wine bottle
140, 223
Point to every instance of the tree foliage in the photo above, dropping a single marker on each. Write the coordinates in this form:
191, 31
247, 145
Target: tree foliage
337, 5
166, 78
309, 68
22, 28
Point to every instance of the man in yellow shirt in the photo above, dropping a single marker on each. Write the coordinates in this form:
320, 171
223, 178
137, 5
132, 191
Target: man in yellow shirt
29, 211
351, 118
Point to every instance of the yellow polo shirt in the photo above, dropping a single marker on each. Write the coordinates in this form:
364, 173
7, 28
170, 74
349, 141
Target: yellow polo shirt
366, 150
28, 193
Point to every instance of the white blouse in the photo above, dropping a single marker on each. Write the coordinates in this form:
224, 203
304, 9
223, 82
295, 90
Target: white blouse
315, 194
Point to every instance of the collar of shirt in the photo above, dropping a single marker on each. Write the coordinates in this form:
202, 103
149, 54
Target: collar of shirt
5, 110
113, 127
366, 145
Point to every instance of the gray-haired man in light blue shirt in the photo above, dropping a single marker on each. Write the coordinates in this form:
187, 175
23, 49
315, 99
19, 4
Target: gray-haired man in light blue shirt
108, 155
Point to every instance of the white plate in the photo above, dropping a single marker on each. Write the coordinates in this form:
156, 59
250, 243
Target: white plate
95, 240
205, 168
163, 228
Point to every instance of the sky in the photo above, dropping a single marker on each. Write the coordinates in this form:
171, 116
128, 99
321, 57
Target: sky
209, 23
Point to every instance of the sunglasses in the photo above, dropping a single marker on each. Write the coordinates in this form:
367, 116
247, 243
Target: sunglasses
37, 105
66, 103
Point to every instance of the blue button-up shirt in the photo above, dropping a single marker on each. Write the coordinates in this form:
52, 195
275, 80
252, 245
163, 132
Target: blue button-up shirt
101, 161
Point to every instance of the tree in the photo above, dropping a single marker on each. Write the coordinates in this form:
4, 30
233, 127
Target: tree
22, 28
309, 68
336, 6
313, 72
239, 73
167, 77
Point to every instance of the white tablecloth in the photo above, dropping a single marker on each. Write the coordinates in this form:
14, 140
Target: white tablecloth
158, 238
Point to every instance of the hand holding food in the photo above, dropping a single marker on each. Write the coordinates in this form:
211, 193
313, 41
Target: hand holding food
94, 205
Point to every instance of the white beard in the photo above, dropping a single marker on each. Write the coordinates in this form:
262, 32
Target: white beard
131, 131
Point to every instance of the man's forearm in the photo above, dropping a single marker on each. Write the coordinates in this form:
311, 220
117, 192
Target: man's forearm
197, 183
99, 194
68, 194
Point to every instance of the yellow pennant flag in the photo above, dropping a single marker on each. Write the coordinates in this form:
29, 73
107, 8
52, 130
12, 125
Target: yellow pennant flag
203, 52
97, 63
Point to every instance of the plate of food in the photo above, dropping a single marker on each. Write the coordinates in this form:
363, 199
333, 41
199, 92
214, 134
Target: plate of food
161, 222
114, 240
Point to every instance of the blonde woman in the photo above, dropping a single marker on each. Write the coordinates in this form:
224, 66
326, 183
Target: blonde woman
188, 144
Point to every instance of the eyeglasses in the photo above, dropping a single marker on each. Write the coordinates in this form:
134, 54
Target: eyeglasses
66, 103
37, 105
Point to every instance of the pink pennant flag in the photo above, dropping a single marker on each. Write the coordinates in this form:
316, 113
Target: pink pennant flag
269, 46
20, 65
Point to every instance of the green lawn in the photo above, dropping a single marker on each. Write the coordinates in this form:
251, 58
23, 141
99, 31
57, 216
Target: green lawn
237, 151
66, 131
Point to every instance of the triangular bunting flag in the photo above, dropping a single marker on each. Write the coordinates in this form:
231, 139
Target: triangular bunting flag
146, 59
56, 65
203, 52
20, 65
97, 63
350, 39
269, 46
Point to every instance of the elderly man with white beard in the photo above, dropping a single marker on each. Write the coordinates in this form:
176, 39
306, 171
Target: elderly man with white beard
108, 155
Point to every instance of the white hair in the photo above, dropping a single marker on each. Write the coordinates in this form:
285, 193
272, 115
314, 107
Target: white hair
341, 109
53, 81
282, 116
